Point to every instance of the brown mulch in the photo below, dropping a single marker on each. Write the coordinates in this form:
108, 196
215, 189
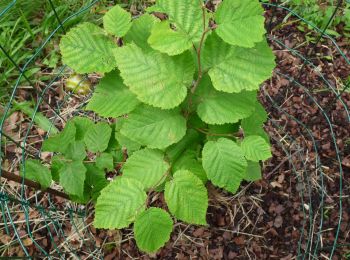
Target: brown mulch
278, 217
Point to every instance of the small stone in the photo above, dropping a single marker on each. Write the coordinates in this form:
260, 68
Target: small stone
278, 221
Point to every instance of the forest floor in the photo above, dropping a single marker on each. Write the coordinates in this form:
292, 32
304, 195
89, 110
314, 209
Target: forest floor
301, 207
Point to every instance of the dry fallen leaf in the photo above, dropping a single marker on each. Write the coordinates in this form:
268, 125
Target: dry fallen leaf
275, 184
27, 241
5, 239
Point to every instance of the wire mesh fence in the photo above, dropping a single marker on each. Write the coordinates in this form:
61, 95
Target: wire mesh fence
309, 126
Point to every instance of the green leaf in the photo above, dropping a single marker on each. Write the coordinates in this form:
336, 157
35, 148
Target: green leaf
114, 148
118, 156
233, 69
105, 161
112, 98
152, 229
97, 137
140, 31
255, 148
253, 125
224, 163
214, 51
60, 142
186, 15
154, 127
153, 8
57, 163
161, 187
95, 180
35, 171
217, 107
72, 177
75, 151
155, 78
174, 151
261, 132
40, 120
240, 22
117, 21
187, 198
119, 203
113, 143
188, 161
87, 49
147, 166
82, 124
84, 199
195, 122
167, 40
125, 142
253, 171
255, 121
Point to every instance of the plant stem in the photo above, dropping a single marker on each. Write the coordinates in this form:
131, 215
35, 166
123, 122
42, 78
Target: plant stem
200, 71
199, 50
214, 134
12, 177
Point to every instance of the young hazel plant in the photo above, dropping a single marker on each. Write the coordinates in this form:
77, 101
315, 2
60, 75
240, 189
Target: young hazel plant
183, 92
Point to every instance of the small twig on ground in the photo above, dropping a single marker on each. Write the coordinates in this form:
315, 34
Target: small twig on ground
281, 163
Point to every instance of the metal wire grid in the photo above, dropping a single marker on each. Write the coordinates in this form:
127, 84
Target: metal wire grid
311, 235
53, 221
